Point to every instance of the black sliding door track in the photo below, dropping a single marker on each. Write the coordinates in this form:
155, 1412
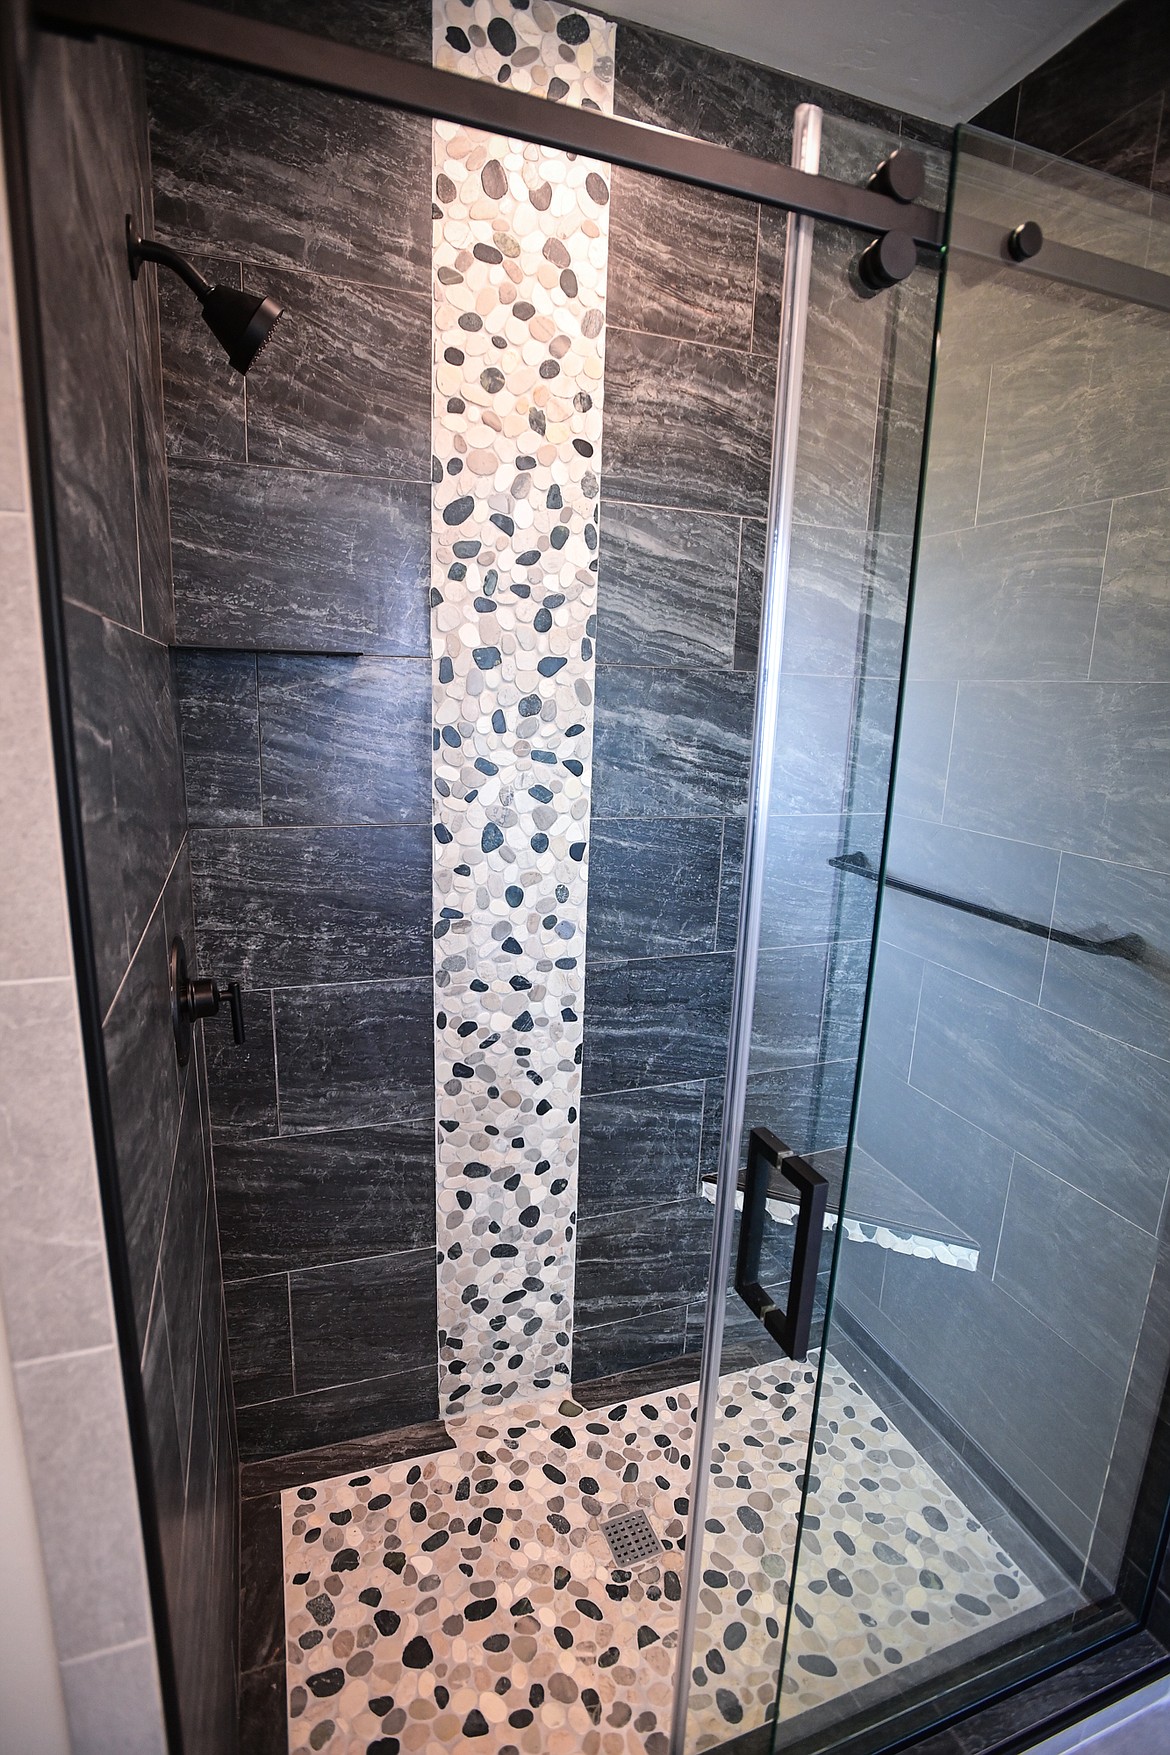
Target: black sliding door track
410, 85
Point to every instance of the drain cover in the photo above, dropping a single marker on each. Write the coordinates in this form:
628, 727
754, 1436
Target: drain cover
631, 1537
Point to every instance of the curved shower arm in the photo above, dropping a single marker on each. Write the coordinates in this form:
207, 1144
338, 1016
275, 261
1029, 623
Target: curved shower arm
140, 250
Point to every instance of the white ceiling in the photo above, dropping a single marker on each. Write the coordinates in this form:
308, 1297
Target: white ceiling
943, 59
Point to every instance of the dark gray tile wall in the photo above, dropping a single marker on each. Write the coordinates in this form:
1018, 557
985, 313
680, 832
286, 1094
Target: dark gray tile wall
1101, 100
91, 167
1019, 1084
693, 331
301, 542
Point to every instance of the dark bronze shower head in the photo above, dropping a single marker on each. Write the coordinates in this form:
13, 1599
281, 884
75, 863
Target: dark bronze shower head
242, 322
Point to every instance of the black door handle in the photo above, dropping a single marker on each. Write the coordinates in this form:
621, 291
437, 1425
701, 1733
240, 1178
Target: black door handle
790, 1327
192, 1000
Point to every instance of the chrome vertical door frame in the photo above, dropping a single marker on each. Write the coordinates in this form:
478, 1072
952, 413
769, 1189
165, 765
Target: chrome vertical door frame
806, 154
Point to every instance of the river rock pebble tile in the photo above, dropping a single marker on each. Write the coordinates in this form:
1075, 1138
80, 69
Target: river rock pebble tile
519, 273
471, 1594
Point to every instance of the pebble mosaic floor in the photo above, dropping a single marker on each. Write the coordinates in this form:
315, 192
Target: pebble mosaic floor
470, 1594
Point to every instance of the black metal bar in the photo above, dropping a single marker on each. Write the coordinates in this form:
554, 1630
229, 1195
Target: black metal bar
409, 85
1131, 946
14, 123
1080, 268
789, 1328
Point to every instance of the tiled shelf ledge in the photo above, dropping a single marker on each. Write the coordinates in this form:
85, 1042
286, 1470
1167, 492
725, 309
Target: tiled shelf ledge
882, 1210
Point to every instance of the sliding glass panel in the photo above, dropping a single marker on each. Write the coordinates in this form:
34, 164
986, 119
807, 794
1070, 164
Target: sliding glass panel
999, 1340
861, 419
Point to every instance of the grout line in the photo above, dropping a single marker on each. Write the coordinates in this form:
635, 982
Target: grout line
146, 929
275, 1062
292, 1351
983, 443
1100, 590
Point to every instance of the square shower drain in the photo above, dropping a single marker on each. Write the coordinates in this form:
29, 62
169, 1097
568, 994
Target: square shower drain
631, 1538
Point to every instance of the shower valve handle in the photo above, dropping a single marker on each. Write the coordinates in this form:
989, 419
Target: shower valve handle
193, 1000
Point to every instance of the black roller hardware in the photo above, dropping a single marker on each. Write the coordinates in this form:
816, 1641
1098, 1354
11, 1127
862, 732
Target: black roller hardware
193, 1000
902, 176
1025, 242
888, 260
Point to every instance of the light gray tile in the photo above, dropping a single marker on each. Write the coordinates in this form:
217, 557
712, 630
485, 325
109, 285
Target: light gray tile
52, 1241
845, 610
1133, 627
1127, 999
1075, 1264
1078, 765
74, 1414
806, 900
34, 937
812, 745
113, 1702
1090, 1109
924, 749
986, 871
1017, 599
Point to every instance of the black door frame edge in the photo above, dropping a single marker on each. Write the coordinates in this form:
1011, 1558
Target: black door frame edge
15, 39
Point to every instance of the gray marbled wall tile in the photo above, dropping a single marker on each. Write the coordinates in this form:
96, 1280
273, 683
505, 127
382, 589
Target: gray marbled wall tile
355, 1410
813, 732
1080, 765
1129, 1000
1077, 423
769, 282
403, 29
682, 260
220, 721
1132, 640
292, 177
294, 1203
846, 341
987, 870
203, 393
641, 1259
126, 731
148, 428
789, 999
292, 559
897, 982
1015, 599
283, 906
363, 1319
345, 740
846, 605
846, 975
599, 1351
872, 754
950, 1162
656, 1021
242, 1076
902, 396
1030, 1401
182, 1258
344, 382
1088, 1108
805, 900
957, 425
671, 743
687, 425
924, 749
730, 883
1076, 1265
354, 1056
88, 177
653, 887
666, 590
749, 593
259, 1339
145, 1097
807, 1106
168, 1458
638, 1147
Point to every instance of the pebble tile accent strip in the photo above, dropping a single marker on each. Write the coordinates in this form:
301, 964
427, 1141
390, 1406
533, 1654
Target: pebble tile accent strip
471, 1594
519, 261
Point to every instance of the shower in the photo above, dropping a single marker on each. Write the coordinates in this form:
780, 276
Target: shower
241, 321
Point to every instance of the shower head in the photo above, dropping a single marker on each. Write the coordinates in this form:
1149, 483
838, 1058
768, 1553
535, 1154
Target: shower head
242, 322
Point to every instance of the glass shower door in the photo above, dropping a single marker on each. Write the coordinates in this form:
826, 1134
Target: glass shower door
982, 1493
